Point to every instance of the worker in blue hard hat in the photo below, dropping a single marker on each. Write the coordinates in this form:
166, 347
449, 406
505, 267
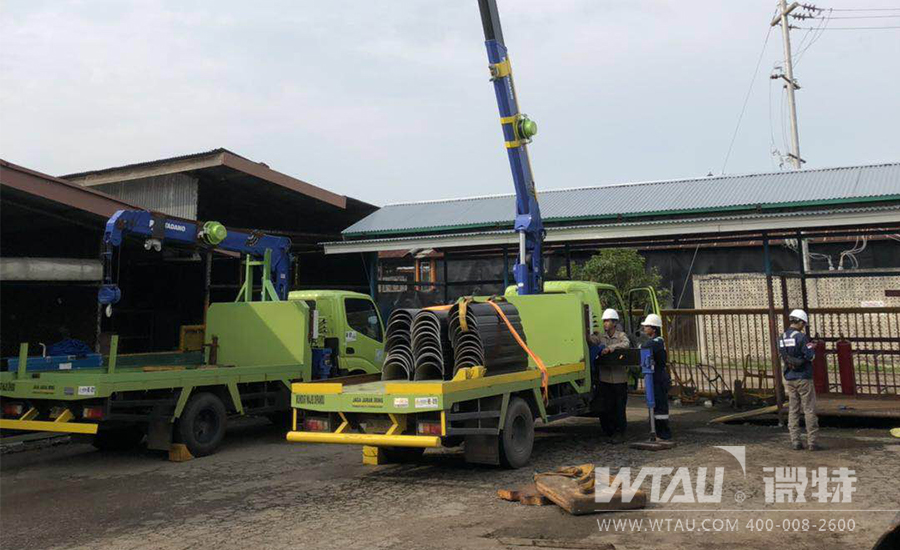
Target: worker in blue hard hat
652, 327
613, 388
797, 354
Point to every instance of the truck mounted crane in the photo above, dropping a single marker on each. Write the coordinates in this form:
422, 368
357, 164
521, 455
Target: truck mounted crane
270, 252
518, 131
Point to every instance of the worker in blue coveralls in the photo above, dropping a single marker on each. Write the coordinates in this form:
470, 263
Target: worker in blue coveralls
652, 327
797, 354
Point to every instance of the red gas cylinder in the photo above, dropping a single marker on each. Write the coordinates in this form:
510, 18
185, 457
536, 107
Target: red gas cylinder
820, 368
845, 367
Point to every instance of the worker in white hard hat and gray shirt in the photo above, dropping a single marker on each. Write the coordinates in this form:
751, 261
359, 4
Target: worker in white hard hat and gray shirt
652, 327
797, 353
613, 378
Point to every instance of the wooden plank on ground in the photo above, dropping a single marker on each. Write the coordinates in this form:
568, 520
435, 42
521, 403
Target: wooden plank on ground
527, 494
746, 414
566, 493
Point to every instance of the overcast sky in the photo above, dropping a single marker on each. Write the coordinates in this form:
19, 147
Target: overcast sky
389, 101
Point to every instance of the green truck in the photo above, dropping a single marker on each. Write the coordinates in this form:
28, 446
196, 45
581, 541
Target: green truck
492, 415
252, 352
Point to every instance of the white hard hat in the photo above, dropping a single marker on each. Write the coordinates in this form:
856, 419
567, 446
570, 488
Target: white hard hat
800, 315
652, 320
610, 314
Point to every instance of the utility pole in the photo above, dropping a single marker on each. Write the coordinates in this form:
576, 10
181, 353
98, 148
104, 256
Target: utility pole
788, 76
791, 85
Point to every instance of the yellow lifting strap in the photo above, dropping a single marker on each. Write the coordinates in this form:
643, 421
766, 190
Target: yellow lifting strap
545, 376
500, 70
463, 306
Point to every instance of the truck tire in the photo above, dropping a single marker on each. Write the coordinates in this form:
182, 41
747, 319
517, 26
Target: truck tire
403, 454
118, 439
202, 424
517, 436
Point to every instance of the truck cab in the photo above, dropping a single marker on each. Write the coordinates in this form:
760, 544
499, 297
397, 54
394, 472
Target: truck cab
636, 303
347, 324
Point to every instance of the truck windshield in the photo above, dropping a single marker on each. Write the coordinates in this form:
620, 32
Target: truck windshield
362, 317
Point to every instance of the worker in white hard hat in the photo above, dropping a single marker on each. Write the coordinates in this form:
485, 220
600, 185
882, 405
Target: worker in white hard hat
652, 327
797, 354
613, 387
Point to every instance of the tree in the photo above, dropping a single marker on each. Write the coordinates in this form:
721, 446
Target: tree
622, 267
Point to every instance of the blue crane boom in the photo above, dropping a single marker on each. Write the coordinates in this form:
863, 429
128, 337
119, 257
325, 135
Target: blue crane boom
518, 130
270, 251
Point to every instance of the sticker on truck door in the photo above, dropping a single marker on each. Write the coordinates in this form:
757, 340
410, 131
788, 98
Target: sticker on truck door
87, 390
350, 336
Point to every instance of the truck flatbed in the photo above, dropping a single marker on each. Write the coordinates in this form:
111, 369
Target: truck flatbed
492, 415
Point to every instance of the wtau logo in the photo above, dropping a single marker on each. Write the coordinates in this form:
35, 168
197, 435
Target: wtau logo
681, 488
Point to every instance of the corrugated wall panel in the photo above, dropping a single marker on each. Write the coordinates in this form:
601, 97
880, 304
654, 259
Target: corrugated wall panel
172, 194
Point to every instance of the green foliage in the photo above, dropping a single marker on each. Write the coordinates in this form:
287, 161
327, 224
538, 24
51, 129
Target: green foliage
622, 267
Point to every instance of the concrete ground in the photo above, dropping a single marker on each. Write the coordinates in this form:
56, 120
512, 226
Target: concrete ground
262, 492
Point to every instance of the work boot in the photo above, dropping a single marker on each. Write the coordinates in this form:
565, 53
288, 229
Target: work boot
797, 446
662, 430
814, 447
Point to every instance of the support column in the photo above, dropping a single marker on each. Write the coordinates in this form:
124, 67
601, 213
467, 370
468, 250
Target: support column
206, 284
505, 268
568, 263
773, 335
373, 263
804, 255
446, 278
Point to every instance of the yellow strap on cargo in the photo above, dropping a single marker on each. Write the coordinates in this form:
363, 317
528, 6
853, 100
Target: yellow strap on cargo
463, 306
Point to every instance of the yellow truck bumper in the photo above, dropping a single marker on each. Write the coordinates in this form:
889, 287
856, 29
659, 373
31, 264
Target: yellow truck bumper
374, 440
48, 426
61, 424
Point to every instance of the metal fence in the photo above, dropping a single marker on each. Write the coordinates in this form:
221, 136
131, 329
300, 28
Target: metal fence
712, 349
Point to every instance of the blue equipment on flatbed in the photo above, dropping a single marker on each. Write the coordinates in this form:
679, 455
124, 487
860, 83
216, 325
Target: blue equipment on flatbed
274, 251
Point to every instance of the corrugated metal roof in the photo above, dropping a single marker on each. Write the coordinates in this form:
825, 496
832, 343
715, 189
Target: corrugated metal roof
633, 223
848, 185
150, 163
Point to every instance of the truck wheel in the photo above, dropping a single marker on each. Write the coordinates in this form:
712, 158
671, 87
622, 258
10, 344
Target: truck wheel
118, 439
403, 454
517, 437
202, 424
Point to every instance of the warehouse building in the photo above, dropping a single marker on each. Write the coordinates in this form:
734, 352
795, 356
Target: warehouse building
52, 231
434, 251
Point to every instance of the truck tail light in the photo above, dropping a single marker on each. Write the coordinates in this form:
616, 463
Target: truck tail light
92, 413
428, 428
316, 425
13, 409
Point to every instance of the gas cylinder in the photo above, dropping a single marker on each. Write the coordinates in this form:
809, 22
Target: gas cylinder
845, 367
820, 368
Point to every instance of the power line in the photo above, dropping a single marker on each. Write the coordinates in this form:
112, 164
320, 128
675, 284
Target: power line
746, 99
859, 16
865, 9
849, 28
816, 34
